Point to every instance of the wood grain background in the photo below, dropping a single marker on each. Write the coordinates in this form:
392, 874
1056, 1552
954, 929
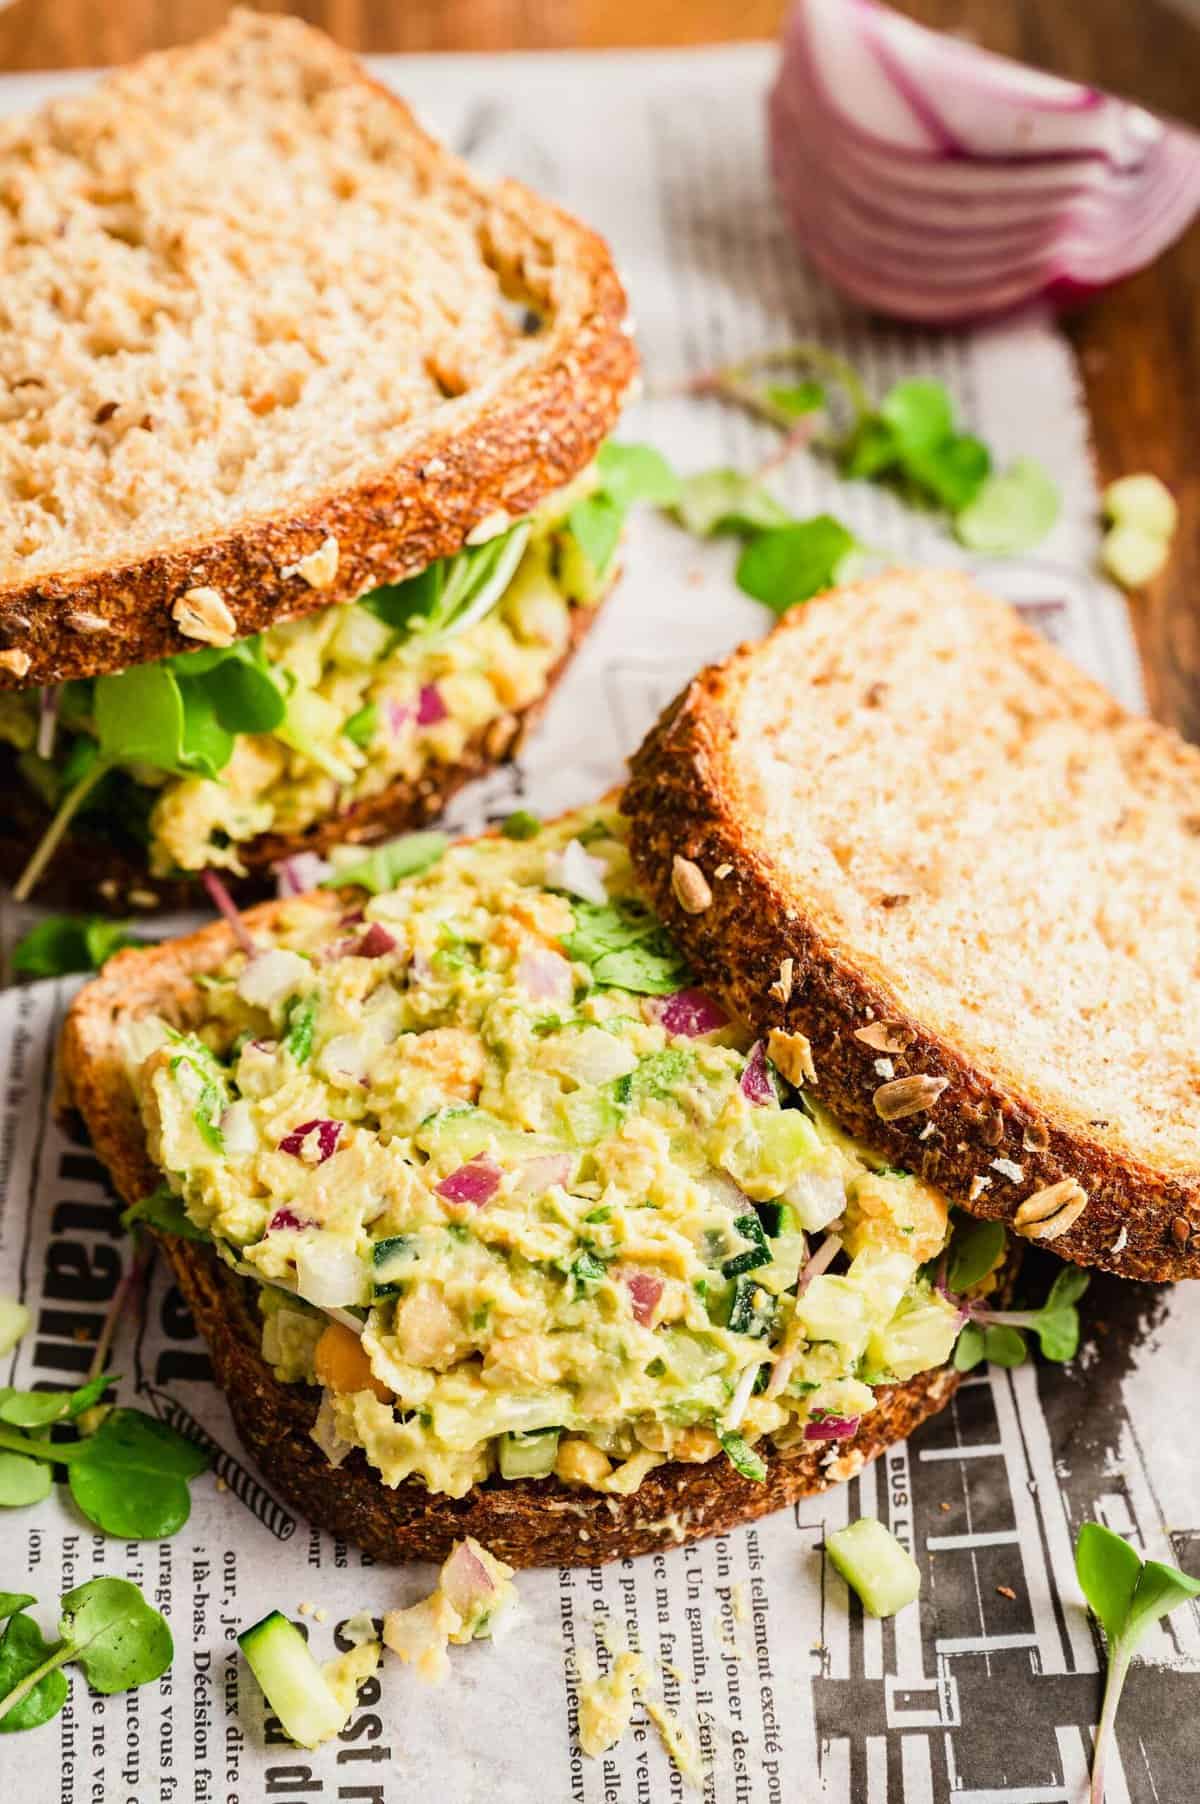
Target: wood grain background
1139, 346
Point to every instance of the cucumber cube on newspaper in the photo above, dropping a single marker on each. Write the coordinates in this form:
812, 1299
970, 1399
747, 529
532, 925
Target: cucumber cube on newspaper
873, 1564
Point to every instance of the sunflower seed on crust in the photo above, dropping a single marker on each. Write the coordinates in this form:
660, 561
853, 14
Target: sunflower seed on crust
907, 1096
690, 885
1181, 1230
319, 567
203, 614
884, 1036
781, 989
16, 661
792, 1053
1050, 1212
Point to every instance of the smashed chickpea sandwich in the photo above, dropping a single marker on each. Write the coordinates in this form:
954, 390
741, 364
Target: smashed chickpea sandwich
519, 1198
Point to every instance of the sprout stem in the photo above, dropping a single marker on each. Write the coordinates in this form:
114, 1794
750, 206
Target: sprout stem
57, 1657
50, 839
1118, 1666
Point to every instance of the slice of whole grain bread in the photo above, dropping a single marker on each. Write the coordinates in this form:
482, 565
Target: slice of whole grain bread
907, 827
526, 1522
263, 346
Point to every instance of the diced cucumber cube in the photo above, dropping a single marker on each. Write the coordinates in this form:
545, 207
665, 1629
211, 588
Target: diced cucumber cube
292, 1682
528, 1455
751, 1309
832, 1309
754, 1254
873, 1564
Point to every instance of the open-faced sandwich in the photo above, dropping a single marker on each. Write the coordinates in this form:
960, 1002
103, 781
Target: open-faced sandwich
299, 421
610, 1182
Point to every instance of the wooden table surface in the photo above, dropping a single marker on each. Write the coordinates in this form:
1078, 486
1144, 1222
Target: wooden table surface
1139, 345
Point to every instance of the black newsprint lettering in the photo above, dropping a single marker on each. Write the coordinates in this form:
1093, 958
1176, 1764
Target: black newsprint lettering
373, 1793
291, 1780
87, 1218
85, 1168
176, 1362
82, 1265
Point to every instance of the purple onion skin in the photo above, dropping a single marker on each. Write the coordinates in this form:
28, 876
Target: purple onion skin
756, 1085
474, 1183
832, 1428
691, 1012
328, 1133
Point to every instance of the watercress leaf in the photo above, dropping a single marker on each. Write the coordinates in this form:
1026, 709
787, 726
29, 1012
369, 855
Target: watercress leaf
968, 1350
919, 413
23, 1481
873, 448
796, 398
138, 717
38, 1409
23, 1648
952, 472
1158, 1590
163, 1210
1004, 1346
205, 745
1012, 512
790, 563
12, 1601
63, 943
725, 500
244, 695
131, 1479
630, 473
1108, 1569
405, 604
596, 526
976, 1250
385, 865
114, 1635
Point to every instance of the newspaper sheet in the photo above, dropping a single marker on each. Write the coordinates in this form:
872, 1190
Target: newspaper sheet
985, 1691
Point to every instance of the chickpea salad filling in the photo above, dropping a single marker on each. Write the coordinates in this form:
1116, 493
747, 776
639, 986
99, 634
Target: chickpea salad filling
519, 1197
193, 757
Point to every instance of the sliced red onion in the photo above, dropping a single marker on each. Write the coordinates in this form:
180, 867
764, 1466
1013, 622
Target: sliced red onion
575, 870
820, 1261
286, 1218
47, 720
832, 1428
689, 1013
546, 975
475, 1183
740, 1400
756, 1085
326, 1134
225, 905
430, 706
938, 182
301, 872
536, 1176
644, 1293
399, 716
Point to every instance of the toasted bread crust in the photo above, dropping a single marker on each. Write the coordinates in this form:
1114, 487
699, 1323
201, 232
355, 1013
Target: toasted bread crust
86, 861
527, 1522
503, 452
1138, 1222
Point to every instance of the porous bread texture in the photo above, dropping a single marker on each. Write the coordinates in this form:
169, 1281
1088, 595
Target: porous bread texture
526, 1522
949, 828
246, 304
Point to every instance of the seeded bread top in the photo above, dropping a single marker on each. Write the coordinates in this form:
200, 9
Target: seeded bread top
250, 312
986, 877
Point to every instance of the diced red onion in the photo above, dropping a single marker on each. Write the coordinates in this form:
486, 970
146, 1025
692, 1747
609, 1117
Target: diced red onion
301, 872
330, 1273
536, 1176
327, 1133
546, 975
421, 967
430, 706
376, 942
475, 1183
820, 1262
286, 1218
935, 181
756, 1085
270, 977
644, 1293
399, 716
47, 720
465, 1579
689, 1013
575, 870
352, 917
224, 904
832, 1428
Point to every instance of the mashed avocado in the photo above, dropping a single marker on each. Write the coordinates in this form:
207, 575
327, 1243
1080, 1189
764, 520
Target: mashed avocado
366, 694
521, 1198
